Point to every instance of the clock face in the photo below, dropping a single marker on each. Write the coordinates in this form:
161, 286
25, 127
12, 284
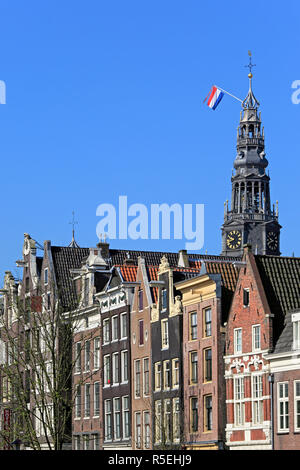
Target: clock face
272, 241
234, 239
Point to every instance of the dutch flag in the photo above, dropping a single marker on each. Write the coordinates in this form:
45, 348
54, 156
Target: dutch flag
214, 97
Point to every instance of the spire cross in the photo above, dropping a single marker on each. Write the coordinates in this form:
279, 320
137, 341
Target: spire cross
250, 65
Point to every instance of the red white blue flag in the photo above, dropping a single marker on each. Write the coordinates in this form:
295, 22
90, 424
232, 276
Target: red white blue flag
214, 97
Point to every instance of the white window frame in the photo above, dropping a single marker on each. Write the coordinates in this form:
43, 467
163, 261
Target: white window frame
257, 398
146, 429
97, 353
117, 415
165, 369
285, 401
167, 419
115, 369
175, 373
124, 377
123, 318
87, 400
145, 394
106, 330
137, 361
97, 414
239, 401
164, 334
157, 421
176, 420
106, 371
87, 357
296, 401
236, 344
107, 412
157, 375
114, 320
125, 415
138, 429
255, 346
78, 399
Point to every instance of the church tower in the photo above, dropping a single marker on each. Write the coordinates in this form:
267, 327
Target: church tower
251, 218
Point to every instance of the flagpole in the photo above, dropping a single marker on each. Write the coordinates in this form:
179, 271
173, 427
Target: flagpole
229, 93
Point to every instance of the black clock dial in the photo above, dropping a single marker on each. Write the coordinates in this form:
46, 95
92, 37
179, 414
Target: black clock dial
272, 241
234, 239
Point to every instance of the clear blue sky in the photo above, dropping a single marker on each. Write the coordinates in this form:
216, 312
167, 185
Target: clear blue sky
105, 99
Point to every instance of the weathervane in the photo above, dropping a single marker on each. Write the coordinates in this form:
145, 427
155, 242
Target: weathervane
250, 65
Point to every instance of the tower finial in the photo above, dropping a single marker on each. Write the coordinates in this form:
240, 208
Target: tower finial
73, 243
250, 101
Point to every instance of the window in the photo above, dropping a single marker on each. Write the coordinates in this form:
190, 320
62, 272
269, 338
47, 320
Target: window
138, 437
87, 355
147, 429
207, 322
46, 276
106, 331
239, 405
283, 406
246, 297
140, 296
124, 366
48, 301
106, 371
193, 367
117, 419
76, 442
257, 402
125, 413
157, 421
96, 353
176, 420
137, 365
96, 399
157, 369
164, 334
114, 328
297, 405
87, 401
256, 337
238, 340
166, 374
193, 326
167, 420
207, 365
208, 413
164, 299
175, 373
96, 441
146, 377
86, 442
123, 325
141, 332
78, 402
86, 291
107, 426
115, 368
296, 334
194, 414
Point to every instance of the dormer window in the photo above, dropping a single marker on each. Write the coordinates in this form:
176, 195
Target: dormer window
296, 330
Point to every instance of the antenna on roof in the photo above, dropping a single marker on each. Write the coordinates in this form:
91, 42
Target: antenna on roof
73, 243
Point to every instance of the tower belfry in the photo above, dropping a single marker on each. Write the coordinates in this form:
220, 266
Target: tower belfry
250, 219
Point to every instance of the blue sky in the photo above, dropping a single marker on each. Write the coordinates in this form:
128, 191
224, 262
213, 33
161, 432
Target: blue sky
105, 99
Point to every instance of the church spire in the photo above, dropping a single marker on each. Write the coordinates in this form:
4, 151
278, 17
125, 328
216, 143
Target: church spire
250, 216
